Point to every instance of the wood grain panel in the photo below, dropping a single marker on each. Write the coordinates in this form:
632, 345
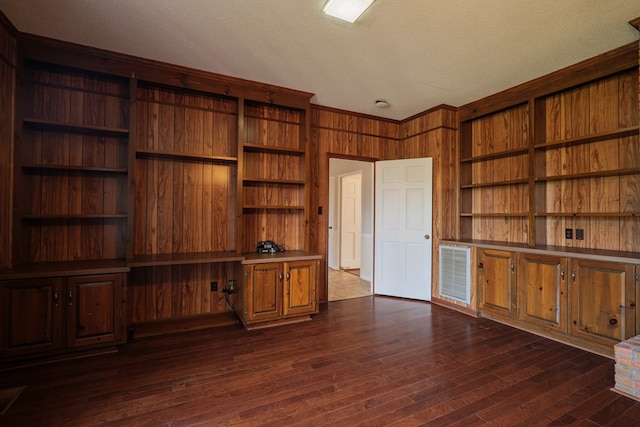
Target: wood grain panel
7, 83
172, 292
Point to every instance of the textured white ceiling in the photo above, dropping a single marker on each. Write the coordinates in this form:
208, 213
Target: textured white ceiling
415, 54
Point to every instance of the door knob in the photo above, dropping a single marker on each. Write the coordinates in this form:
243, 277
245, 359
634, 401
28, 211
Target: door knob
427, 237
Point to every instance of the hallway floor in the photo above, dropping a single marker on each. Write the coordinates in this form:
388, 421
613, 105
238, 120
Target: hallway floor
343, 285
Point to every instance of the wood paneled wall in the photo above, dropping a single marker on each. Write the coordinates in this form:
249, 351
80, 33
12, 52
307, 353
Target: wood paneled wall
342, 134
433, 133
174, 292
7, 87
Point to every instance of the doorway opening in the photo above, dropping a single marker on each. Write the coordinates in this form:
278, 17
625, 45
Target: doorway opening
350, 237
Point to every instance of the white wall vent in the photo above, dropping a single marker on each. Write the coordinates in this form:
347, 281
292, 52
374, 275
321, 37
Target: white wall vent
455, 273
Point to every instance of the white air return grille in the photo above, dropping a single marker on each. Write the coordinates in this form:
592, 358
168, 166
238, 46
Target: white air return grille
455, 273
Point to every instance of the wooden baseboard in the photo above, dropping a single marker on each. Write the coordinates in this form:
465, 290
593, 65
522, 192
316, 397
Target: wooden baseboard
461, 308
279, 322
53, 358
600, 349
172, 326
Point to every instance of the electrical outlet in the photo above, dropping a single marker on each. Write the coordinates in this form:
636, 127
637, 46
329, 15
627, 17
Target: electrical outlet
568, 233
579, 234
214, 286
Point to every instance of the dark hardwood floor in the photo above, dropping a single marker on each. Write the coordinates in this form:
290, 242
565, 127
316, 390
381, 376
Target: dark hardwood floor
366, 361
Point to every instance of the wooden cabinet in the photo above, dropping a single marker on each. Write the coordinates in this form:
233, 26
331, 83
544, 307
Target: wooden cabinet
263, 287
33, 316
94, 306
300, 287
48, 315
581, 301
603, 301
274, 291
542, 291
497, 275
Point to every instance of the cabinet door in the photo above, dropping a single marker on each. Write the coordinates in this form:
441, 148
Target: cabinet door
543, 291
264, 292
602, 301
300, 288
94, 310
32, 316
497, 276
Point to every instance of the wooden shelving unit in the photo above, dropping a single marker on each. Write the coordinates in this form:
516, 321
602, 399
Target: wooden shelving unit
571, 167
494, 173
587, 181
72, 203
272, 183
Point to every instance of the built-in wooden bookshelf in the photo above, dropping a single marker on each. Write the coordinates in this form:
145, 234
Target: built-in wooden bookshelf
563, 160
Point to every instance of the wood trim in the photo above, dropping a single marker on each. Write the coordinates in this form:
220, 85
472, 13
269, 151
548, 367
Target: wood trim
103, 61
242, 139
460, 308
430, 110
352, 113
581, 253
636, 23
616, 60
5, 22
131, 165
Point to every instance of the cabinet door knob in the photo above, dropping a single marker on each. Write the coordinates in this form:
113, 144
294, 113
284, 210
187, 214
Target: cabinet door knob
480, 265
55, 297
70, 297
562, 274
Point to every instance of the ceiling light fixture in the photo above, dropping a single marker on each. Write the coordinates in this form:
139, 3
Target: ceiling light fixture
381, 103
347, 10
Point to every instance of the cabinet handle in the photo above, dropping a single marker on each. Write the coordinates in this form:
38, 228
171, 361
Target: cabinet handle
280, 275
55, 297
70, 298
480, 265
288, 276
573, 276
513, 267
562, 275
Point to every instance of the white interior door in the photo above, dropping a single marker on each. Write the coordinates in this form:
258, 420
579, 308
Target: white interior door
403, 247
350, 221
